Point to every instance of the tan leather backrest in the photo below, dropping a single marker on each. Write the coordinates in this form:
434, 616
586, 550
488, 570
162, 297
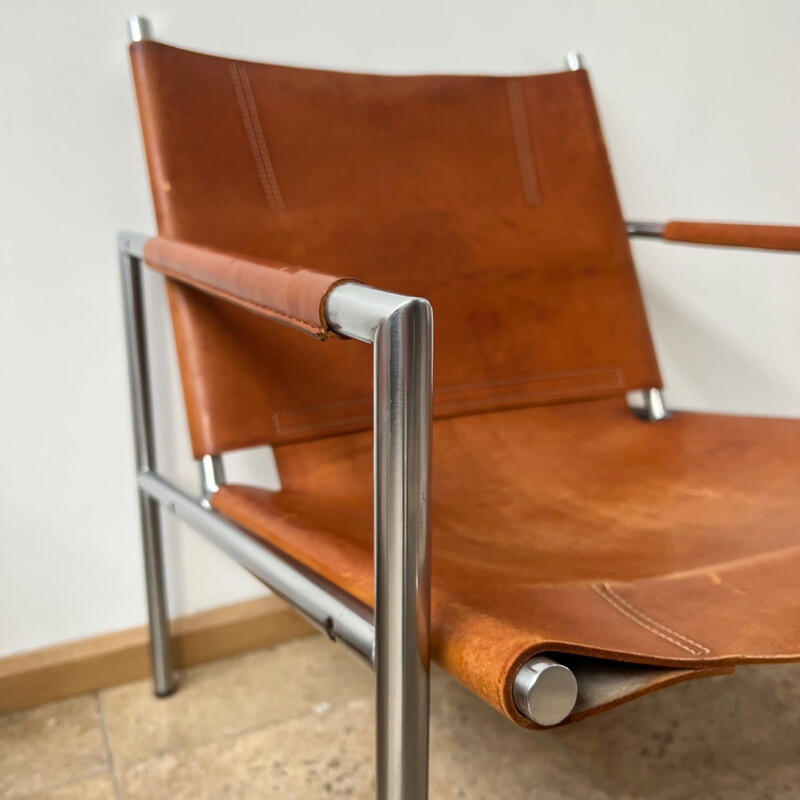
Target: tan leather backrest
492, 197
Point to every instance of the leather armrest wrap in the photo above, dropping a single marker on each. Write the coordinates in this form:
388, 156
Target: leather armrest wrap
765, 237
290, 295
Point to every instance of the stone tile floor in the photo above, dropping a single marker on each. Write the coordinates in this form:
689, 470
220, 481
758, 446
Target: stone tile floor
295, 721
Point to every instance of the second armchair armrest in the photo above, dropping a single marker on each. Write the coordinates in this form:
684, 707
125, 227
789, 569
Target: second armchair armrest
765, 237
722, 234
293, 296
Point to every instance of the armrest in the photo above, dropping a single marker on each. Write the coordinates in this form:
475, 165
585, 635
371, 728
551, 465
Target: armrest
764, 237
293, 296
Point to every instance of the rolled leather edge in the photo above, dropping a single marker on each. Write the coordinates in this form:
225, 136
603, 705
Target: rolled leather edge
290, 295
763, 237
604, 683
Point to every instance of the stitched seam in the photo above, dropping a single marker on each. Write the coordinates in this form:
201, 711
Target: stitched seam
456, 405
460, 387
644, 616
250, 130
552, 376
326, 407
446, 407
262, 144
641, 622
208, 287
251, 138
522, 141
335, 423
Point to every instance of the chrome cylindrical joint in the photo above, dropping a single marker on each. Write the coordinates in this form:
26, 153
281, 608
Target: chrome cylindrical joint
545, 691
654, 407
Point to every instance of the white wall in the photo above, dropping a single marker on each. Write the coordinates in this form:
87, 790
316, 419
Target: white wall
699, 102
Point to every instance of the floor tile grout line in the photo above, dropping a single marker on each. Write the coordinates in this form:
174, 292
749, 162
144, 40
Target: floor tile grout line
109, 749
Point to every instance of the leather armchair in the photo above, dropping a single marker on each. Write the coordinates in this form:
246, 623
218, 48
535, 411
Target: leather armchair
577, 557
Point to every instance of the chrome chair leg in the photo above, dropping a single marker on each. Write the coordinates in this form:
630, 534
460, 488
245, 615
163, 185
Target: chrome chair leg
141, 404
160, 645
403, 385
401, 332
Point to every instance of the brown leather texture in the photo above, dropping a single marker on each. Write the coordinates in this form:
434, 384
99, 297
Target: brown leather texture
492, 197
291, 296
573, 529
764, 237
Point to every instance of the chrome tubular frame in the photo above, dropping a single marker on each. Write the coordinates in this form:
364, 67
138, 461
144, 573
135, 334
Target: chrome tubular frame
398, 642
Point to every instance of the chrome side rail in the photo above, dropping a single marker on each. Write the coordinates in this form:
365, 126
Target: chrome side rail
341, 616
398, 643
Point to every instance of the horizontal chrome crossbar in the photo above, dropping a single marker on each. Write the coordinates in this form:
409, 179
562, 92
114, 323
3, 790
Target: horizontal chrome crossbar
334, 611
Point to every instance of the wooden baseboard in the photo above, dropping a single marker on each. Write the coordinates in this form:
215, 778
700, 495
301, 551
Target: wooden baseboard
29, 679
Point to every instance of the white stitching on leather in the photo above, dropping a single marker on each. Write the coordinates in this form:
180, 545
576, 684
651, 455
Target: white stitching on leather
259, 134
624, 602
445, 405
641, 619
255, 135
522, 141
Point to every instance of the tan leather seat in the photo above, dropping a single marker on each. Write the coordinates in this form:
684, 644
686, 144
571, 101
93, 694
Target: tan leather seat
573, 528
